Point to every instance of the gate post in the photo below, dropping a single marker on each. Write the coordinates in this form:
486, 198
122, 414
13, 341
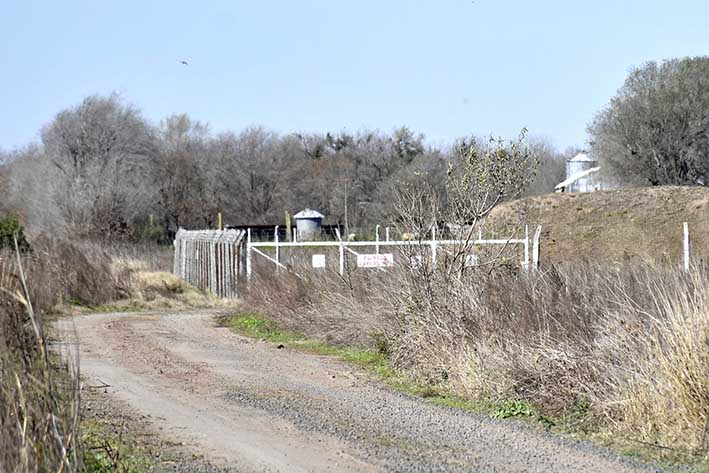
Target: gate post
686, 246
183, 259
278, 250
213, 274
526, 247
248, 255
535, 247
342, 258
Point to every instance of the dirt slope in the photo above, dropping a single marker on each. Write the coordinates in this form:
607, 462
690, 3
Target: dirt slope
253, 407
613, 226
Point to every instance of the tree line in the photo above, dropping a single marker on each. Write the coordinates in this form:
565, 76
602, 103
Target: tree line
101, 170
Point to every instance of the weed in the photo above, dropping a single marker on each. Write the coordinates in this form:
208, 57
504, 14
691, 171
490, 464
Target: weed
108, 452
251, 325
507, 409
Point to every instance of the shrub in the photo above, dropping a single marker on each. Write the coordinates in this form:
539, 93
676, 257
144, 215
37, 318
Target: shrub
10, 229
629, 344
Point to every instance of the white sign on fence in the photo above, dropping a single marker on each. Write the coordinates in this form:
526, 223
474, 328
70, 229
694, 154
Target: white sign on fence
318, 261
384, 260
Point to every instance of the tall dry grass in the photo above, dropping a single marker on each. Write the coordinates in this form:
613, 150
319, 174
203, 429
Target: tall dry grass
628, 345
39, 391
39, 378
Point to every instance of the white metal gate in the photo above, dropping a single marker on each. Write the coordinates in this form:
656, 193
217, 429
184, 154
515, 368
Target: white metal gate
256, 248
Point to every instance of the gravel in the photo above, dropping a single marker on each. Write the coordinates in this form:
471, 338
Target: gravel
309, 413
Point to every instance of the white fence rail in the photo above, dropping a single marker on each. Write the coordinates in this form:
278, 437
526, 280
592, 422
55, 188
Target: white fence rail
216, 260
210, 259
376, 259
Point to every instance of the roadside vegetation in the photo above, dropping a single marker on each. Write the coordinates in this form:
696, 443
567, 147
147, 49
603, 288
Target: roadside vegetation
618, 353
43, 426
620, 356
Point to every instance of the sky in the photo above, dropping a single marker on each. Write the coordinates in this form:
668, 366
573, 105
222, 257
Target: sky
446, 68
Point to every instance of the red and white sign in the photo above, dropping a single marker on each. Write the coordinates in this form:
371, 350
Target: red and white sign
375, 261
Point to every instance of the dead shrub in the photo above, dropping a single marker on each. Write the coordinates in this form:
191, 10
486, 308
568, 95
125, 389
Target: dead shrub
628, 343
323, 304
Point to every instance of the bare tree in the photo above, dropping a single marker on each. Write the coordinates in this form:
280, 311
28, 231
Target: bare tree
655, 131
348, 175
551, 166
99, 152
4, 181
180, 174
31, 190
478, 179
101, 170
250, 170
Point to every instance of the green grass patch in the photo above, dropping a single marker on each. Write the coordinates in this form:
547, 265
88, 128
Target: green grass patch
105, 451
255, 326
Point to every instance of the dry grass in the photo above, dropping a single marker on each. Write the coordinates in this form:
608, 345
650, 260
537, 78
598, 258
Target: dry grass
83, 277
158, 290
620, 226
626, 348
341, 311
39, 395
39, 389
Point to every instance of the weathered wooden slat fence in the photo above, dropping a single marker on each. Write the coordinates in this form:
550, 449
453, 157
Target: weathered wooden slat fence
210, 259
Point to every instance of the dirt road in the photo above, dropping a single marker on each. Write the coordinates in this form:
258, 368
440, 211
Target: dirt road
253, 407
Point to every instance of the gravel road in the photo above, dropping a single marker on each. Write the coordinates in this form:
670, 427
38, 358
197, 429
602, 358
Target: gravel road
252, 407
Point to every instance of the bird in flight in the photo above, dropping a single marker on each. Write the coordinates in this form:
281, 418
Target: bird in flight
184, 63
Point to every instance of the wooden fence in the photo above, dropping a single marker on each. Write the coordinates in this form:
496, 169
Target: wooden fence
210, 259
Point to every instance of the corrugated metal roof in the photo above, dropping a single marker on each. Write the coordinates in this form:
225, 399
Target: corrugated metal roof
307, 213
576, 177
582, 157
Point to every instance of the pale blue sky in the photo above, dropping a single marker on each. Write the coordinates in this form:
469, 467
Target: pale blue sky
445, 68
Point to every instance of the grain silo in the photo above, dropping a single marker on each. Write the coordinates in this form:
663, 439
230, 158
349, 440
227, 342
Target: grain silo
579, 163
581, 176
308, 223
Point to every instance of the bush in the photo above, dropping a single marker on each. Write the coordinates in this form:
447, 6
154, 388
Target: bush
153, 232
10, 229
